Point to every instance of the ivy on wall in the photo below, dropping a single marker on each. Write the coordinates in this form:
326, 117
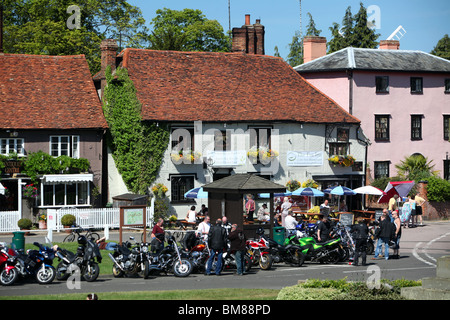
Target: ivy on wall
138, 147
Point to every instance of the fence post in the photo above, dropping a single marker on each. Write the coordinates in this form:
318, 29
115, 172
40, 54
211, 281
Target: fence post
49, 237
106, 232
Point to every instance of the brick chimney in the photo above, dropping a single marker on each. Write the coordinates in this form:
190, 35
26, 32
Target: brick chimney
249, 38
314, 47
389, 45
108, 49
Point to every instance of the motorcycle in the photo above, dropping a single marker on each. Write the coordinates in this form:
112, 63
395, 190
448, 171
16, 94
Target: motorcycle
37, 263
83, 260
259, 252
130, 260
197, 251
9, 274
170, 259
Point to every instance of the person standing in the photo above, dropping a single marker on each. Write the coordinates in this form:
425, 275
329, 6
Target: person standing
226, 225
392, 206
284, 210
419, 203
323, 230
397, 234
290, 223
238, 247
157, 236
203, 228
384, 235
250, 207
360, 234
217, 241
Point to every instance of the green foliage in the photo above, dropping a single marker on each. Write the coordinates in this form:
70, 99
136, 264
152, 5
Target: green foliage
138, 147
39, 163
295, 56
311, 29
24, 224
354, 32
415, 167
442, 48
438, 189
187, 30
68, 220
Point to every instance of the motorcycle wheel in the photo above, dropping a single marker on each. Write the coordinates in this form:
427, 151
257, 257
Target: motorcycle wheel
46, 275
183, 268
344, 254
117, 273
298, 258
370, 248
247, 263
61, 272
265, 261
9, 278
93, 274
145, 273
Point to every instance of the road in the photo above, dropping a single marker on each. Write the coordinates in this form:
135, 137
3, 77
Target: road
420, 248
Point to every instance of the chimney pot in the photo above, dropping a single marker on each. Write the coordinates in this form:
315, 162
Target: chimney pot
247, 19
314, 47
389, 45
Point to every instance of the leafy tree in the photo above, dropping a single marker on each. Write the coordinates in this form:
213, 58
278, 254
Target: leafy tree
311, 29
415, 167
295, 56
40, 27
276, 53
187, 30
442, 49
355, 32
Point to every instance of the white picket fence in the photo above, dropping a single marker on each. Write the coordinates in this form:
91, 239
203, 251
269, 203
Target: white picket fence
8, 221
98, 218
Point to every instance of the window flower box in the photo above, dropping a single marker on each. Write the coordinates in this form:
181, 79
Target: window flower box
185, 156
343, 161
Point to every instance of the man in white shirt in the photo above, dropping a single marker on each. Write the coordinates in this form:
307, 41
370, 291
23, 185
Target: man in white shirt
203, 228
290, 222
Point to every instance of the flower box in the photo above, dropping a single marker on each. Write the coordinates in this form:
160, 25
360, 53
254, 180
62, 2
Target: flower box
343, 161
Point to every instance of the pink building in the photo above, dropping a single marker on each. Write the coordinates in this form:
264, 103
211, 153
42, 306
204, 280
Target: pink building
401, 97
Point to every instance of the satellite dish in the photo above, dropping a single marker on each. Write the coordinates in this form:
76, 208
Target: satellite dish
398, 33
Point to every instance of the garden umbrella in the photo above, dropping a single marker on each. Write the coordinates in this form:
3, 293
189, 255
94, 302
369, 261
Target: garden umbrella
275, 195
196, 193
402, 188
370, 190
2, 189
310, 192
339, 191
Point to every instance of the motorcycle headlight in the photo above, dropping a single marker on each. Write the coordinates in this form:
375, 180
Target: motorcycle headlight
145, 249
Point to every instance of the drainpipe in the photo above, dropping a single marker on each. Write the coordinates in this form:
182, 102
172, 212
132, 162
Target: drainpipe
350, 85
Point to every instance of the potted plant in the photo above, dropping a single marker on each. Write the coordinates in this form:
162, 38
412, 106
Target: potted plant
343, 161
292, 185
159, 190
43, 220
24, 224
67, 221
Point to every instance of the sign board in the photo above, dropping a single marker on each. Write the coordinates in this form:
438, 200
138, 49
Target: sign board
346, 219
133, 216
305, 158
231, 158
378, 214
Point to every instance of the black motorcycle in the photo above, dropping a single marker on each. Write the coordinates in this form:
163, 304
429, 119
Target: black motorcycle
129, 260
84, 260
196, 250
289, 253
170, 259
37, 264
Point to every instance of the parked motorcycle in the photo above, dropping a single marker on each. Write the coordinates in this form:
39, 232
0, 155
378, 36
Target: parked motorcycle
170, 259
129, 260
197, 251
37, 263
259, 253
83, 260
8, 274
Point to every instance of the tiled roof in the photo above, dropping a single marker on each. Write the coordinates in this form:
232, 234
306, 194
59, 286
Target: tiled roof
221, 87
377, 60
48, 92
243, 183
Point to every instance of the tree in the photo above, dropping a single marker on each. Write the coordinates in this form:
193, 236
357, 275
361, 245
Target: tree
355, 32
275, 52
295, 56
41, 27
311, 29
442, 48
187, 30
415, 167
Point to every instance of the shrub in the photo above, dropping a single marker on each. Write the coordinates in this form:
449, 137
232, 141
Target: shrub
24, 224
438, 189
298, 292
68, 220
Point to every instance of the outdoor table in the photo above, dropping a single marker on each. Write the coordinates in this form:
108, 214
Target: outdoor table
367, 215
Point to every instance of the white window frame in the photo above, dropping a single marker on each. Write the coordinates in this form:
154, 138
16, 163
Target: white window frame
7, 146
73, 148
88, 200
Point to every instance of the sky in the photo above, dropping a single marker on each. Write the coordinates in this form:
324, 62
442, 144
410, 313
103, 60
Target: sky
425, 22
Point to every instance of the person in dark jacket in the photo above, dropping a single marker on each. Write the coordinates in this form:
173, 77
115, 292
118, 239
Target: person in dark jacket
217, 241
384, 235
238, 247
360, 233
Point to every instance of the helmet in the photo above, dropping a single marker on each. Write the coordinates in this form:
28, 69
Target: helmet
82, 240
260, 230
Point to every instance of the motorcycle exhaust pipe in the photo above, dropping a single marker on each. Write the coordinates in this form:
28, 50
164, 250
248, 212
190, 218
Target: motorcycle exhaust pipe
62, 257
115, 262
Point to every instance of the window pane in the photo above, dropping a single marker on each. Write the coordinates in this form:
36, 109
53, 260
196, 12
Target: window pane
48, 195
3, 146
381, 169
446, 127
381, 128
382, 84
416, 127
416, 85
54, 146
59, 194
71, 190
64, 146
75, 152
19, 146
82, 193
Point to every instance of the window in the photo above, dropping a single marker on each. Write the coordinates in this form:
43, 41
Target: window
381, 169
13, 145
416, 127
382, 128
182, 138
447, 169
416, 85
446, 127
382, 84
66, 194
222, 140
65, 146
179, 185
260, 136
339, 149
447, 86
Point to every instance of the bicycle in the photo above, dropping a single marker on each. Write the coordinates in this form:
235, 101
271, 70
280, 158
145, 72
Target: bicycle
76, 233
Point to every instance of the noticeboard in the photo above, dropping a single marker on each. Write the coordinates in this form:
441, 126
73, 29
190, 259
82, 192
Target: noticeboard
346, 219
133, 216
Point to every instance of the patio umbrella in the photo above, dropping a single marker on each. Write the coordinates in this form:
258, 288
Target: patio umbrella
402, 188
340, 191
275, 195
370, 190
310, 192
196, 193
2, 189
